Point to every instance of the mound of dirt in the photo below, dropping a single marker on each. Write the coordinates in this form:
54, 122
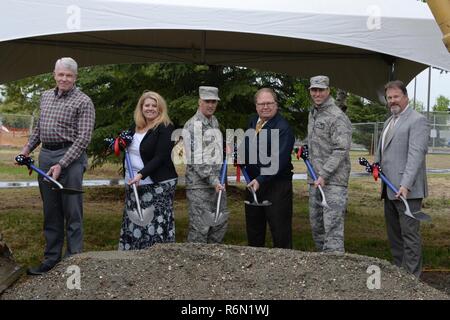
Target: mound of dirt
198, 271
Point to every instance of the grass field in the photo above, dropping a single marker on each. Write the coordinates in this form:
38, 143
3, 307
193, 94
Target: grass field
11, 172
21, 215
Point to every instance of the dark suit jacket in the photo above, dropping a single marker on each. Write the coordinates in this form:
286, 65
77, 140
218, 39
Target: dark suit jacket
283, 155
156, 150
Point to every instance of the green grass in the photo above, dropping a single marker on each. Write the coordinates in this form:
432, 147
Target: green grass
21, 214
21, 222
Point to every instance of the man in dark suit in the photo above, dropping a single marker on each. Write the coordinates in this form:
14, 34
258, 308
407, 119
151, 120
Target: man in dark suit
271, 173
401, 154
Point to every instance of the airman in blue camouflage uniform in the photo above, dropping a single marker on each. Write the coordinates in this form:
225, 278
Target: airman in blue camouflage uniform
204, 153
329, 140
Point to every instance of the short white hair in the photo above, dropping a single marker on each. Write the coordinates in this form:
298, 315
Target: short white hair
67, 63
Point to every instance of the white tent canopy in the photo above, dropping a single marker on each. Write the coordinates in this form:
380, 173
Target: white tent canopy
357, 43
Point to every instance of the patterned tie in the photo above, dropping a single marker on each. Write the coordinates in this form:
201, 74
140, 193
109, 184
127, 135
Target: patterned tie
259, 126
390, 131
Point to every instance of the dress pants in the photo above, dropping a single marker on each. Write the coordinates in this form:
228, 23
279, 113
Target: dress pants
404, 235
278, 215
63, 213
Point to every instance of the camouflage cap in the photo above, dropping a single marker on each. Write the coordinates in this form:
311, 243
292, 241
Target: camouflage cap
208, 93
321, 82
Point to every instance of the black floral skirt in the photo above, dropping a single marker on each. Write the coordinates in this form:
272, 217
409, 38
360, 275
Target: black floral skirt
159, 197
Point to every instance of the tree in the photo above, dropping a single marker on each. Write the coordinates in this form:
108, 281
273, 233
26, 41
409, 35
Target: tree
442, 104
360, 111
419, 105
115, 90
23, 96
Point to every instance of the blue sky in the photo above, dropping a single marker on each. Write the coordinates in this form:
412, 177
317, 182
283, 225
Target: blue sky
440, 85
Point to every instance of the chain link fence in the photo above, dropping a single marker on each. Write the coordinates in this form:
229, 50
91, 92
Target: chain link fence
366, 135
15, 130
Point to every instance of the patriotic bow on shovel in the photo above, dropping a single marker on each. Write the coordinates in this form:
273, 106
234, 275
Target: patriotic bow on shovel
304, 154
23, 160
121, 143
376, 172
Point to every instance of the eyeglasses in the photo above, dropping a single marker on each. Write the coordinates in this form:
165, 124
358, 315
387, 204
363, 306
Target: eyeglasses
269, 104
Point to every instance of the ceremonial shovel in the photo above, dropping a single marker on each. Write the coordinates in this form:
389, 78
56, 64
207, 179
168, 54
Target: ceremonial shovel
255, 202
139, 217
305, 156
418, 215
217, 218
28, 161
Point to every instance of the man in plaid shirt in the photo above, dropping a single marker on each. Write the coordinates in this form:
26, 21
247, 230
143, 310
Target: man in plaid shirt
64, 131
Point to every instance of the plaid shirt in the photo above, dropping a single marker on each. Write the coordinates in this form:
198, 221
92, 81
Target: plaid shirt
68, 117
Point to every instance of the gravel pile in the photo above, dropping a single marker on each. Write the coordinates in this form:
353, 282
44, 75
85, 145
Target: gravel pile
198, 271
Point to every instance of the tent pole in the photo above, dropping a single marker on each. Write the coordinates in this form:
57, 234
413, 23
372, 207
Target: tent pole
392, 70
415, 85
429, 90
203, 47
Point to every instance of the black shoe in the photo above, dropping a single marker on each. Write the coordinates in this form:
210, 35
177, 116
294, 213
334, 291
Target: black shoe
39, 270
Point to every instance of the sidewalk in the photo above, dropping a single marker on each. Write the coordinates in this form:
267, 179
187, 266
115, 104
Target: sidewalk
115, 182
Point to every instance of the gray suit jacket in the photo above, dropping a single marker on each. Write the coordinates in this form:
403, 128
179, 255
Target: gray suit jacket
403, 159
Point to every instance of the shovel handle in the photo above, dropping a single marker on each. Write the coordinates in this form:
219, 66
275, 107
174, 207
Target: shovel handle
129, 167
138, 204
223, 172
369, 168
246, 176
219, 199
130, 174
388, 183
311, 169
45, 175
254, 195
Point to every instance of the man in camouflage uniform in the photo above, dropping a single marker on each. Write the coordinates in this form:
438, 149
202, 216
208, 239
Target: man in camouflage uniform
329, 140
204, 161
341, 98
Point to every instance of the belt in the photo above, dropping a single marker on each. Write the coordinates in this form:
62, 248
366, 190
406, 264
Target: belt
56, 146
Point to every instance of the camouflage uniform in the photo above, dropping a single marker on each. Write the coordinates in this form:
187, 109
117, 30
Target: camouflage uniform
201, 180
329, 140
341, 97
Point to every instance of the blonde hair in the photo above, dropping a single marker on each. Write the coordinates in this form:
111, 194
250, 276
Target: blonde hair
161, 104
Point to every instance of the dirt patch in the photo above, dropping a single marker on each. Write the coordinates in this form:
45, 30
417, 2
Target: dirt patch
13, 138
197, 271
437, 279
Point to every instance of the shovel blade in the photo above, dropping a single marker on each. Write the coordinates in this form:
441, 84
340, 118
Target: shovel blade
68, 190
265, 203
147, 216
325, 204
324, 200
212, 220
55, 187
422, 216
419, 215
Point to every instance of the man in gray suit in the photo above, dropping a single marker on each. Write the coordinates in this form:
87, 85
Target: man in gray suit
401, 154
